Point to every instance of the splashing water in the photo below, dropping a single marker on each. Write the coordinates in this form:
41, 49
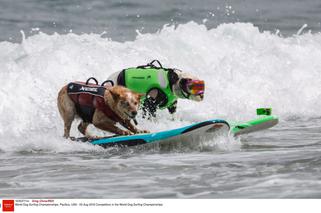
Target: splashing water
243, 69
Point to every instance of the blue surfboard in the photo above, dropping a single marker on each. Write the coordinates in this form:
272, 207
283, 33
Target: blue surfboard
197, 131
205, 130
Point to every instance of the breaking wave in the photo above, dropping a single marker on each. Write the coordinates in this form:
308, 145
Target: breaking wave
243, 69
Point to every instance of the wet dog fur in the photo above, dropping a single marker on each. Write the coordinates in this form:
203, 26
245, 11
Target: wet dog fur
121, 100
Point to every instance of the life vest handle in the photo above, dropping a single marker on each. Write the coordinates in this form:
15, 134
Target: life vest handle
157, 61
108, 81
152, 64
92, 78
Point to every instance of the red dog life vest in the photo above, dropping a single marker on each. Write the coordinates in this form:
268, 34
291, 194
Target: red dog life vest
88, 98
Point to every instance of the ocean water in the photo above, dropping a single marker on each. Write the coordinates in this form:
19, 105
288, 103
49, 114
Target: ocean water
251, 54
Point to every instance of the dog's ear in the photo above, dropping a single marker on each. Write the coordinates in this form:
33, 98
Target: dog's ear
172, 77
114, 94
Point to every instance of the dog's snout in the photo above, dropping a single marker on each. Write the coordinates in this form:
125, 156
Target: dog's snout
134, 113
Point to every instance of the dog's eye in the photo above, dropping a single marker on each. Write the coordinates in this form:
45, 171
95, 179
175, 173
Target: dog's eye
135, 102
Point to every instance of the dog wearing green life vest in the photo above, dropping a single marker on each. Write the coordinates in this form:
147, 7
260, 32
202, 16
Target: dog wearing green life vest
161, 86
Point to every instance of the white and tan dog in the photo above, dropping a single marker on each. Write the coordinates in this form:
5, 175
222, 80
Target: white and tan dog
161, 86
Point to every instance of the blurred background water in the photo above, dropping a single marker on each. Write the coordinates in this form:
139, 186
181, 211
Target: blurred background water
120, 19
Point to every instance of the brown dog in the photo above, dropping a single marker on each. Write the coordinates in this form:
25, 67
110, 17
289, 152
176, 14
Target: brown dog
101, 106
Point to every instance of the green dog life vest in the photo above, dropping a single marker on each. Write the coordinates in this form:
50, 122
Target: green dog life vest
142, 80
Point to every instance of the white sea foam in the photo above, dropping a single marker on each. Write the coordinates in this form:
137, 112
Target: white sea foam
243, 69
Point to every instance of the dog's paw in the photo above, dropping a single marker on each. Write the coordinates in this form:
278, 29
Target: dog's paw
90, 137
126, 132
142, 131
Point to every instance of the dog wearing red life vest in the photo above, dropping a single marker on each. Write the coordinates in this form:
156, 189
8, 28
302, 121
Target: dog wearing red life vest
101, 106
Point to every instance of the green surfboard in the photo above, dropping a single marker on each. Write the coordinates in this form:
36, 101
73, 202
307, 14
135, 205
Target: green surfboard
264, 121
